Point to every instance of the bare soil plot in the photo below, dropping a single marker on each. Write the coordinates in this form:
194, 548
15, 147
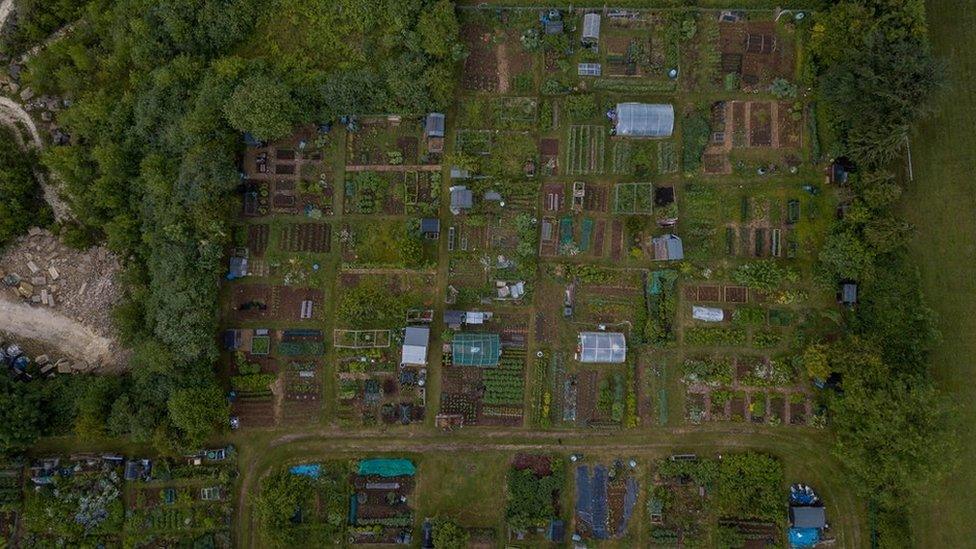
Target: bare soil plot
554, 197
290, 300
709, 293
480, 71
307, 237
257, 239
549, 156
597, 197
736, 294
409, 148
760, 124
616, 239
717, 164
253, 302
598, 235
254, 411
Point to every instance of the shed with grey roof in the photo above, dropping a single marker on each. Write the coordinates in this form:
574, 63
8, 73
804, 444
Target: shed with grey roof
434, 125
461, 199
415, 342
668, 248
807, 517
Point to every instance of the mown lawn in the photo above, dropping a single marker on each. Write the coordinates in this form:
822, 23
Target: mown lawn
941, 203
470, 489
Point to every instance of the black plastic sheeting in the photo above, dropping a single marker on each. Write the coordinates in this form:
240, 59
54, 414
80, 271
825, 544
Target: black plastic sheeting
592, 508
630, 500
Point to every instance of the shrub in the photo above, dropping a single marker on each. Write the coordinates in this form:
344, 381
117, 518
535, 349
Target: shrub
694, 139
762, 275
783, 89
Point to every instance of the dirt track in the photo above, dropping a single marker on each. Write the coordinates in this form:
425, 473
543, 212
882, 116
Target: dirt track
66, 335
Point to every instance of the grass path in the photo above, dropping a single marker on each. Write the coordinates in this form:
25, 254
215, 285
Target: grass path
805, 453
941, 203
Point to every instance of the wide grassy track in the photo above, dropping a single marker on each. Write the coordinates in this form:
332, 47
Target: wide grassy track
942, 204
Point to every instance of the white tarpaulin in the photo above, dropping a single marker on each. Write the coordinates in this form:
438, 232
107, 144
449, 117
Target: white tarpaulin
708, 314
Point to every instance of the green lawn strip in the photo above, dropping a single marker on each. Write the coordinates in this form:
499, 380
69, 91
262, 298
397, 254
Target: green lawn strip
940, 203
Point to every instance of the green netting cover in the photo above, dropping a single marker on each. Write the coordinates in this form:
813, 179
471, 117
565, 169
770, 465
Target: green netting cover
385, 467
566, 230
475, 349
662, 280
585, 236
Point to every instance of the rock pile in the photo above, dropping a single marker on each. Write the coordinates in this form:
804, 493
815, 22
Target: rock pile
44, 272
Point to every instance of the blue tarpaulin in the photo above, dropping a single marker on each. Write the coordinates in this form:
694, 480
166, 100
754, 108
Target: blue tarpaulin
804, 537
307, 470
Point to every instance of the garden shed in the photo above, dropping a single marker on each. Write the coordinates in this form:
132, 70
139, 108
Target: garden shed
552, 22
434, 125
591, 29
454, 319
415, 342
430, 227
848, 294
601, 348
461, 199
476, 349
644, 120
238, 268
807, 517
668, 248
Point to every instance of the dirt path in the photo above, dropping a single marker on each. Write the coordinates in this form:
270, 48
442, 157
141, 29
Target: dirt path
14, 116
55, 36
263, 451
503, 71
66, 335
6, 8
392, 168
11, 113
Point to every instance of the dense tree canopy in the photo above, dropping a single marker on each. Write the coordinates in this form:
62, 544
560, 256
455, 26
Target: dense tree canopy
893, 430
20, 416
21, 205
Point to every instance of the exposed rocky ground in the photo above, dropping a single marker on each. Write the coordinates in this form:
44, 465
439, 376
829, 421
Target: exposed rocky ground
39, 269
60, 296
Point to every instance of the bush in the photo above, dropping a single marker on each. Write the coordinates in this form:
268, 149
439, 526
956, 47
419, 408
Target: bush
783, 89
694, 138
579, 108
764, 275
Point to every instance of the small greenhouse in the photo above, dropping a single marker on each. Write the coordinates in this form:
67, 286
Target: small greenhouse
602, 347
591, 28
644, 120
476, 349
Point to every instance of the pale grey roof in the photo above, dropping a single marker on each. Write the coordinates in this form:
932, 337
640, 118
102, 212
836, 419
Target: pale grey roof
602, 347
461, 199
415, 341
591, 26
808, 517
645, 120
434, 125
668, 248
